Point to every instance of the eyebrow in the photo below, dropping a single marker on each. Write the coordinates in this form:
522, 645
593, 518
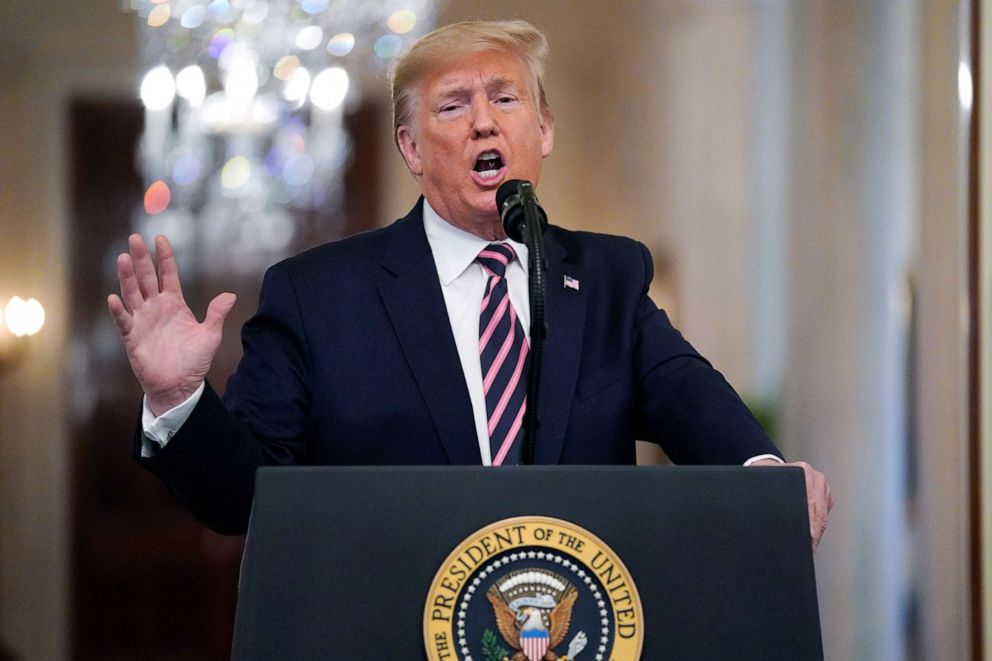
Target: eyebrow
495, 83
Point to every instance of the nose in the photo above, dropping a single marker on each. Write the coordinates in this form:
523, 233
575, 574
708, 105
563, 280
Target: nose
483, 120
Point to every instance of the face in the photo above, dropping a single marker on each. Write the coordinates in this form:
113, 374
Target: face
475, 123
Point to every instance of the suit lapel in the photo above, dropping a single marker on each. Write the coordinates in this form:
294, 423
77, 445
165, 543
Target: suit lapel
562, 350
411, 292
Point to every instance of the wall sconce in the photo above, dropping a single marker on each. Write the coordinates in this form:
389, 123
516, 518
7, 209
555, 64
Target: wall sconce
19, 320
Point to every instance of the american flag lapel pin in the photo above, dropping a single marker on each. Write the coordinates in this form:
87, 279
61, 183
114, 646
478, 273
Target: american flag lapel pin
570, 283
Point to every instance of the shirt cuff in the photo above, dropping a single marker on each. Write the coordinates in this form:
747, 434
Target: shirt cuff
764, 456
157, 432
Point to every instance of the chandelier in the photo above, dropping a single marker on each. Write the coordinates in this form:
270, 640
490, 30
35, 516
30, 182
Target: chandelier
244, 104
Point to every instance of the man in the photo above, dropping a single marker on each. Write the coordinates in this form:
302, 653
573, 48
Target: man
373, 350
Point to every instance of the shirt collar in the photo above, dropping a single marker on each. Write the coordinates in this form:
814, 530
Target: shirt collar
455, 249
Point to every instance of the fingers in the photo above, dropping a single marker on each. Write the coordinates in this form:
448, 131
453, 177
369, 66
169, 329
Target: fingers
144, 269
168, 272
130, 293
218, 310
137, 274
122, 319
819, 501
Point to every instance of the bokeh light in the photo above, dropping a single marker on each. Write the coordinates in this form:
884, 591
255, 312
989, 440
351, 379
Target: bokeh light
158, 89
221, 40
191, 85
388, 46
235, 173
296, 88
187, 168
258, 87
193, 17
157, 198
159, 16
309, 37
341, 44
401, 21
285, 67
313, 6
239, 73
265, 110
24, 317
255, 13
298, 170
221, 11
329, 88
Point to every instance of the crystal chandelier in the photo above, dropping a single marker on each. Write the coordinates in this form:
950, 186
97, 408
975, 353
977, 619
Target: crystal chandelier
244, 104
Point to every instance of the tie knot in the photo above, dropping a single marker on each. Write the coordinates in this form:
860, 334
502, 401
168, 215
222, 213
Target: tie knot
495, 257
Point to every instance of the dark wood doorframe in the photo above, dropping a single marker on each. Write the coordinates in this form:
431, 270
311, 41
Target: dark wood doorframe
147, 581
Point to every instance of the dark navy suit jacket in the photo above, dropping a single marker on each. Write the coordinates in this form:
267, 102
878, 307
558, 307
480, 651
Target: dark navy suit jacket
350, 359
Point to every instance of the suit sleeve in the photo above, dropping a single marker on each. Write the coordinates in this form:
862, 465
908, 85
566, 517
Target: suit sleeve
683, 403
210, 463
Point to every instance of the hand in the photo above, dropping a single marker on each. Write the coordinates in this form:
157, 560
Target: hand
169, 350
819, 500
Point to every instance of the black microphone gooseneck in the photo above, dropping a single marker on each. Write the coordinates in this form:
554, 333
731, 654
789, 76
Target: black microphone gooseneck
525, 221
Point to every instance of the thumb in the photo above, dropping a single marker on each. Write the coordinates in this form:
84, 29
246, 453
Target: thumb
218, 310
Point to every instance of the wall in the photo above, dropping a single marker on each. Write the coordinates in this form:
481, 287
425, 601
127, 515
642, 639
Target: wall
737, 140
48, 54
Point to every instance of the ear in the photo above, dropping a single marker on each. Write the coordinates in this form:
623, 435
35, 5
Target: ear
547, 135
408, 147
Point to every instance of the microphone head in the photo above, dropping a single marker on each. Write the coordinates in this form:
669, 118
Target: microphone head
507, 190
514, 200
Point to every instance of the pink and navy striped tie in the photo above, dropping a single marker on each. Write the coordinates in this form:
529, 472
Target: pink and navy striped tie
503, 352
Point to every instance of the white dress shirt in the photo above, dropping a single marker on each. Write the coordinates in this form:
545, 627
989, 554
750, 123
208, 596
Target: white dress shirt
463, 283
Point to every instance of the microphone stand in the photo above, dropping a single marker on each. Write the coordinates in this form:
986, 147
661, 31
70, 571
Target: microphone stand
537, 283
524, 221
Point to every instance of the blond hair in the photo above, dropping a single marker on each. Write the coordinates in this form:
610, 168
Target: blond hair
454, 41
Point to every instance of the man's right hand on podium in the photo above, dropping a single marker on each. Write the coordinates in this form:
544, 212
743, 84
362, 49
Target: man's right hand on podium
169, 350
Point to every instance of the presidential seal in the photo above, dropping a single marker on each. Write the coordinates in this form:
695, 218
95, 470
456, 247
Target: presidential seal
533, 588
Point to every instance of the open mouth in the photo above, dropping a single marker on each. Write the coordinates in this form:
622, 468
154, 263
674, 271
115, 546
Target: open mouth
488, 166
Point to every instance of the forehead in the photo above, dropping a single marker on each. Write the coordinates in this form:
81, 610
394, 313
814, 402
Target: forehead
474, 70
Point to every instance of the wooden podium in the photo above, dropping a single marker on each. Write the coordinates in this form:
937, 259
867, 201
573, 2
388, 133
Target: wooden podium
353, 563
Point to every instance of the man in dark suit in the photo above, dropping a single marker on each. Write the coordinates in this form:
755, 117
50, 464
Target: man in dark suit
408, 345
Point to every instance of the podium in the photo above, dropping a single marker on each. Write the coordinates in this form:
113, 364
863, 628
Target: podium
367, 563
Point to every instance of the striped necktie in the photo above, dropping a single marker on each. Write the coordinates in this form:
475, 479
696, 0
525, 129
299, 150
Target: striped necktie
503, 353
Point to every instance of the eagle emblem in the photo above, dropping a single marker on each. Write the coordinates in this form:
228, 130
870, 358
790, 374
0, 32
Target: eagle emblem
533, 610
553, 592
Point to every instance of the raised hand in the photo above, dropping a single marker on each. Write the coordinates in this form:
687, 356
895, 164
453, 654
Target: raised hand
169, 350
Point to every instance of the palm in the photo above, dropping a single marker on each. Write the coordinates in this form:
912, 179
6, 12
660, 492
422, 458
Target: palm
169, 350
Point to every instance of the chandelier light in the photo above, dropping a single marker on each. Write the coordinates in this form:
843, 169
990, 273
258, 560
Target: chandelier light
244, 104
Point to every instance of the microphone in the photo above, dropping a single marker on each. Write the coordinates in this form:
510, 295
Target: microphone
517, 203
525, 221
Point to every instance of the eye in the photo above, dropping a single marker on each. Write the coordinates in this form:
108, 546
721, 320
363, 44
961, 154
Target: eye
505, 98
448, 108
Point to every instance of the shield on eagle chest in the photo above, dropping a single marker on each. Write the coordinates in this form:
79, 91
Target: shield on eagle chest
534, 644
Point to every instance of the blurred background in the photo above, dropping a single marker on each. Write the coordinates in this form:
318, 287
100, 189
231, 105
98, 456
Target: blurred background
806, 175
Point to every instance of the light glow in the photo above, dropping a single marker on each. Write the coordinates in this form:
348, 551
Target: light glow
285, 67
193, 17
296, 88
966, 88
341, 44
158, 89
24, 317
329, 88
191, 85
236, 173
159, 16
401, 21
157, 198
309, 37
